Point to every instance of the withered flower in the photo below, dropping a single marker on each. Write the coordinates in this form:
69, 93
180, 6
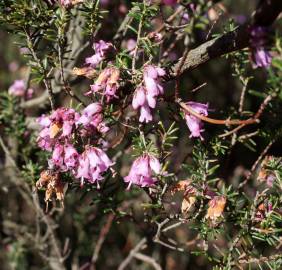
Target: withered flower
263, 210
216, 207
183, 196
87, 72
50, 180
266, 175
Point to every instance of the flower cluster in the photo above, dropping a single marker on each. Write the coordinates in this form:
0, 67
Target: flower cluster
260, 56
141, 171
145, 97
58, 134
195, 124
102, 51
107, 83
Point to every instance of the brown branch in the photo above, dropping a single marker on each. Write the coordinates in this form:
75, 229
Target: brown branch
238, 39
130, 256
227, 122
103, 233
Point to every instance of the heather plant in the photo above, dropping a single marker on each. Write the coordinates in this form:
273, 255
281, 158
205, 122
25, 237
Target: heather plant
141, 135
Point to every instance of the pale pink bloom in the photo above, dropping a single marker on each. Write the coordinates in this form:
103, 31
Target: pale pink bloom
88, 113
139, 97
59, 125
93, 162
57, 159
66, 3
152, 78
17, 88
102, 51
130, 44
71, 157
260, 56
140, 100
66, 118
195, 124
44, 141
92, 119
145, 114
141, 171
145, 98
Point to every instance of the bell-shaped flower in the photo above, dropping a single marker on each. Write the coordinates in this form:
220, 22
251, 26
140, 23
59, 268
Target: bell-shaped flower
102, 51
93, 162
145, 98
141, 171
195, 124
59, 125
152, 78
64, 157
216, 207
260, 56
92, 119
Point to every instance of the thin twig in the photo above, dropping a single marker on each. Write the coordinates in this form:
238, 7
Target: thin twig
148, 260
103, 233
227, 122
130, 256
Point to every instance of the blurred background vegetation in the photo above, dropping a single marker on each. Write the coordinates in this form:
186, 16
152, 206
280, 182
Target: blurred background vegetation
88, 213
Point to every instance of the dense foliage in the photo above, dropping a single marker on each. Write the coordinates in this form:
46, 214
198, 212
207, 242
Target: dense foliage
141, 135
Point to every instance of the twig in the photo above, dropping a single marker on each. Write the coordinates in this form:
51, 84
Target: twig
227, 122
148, 260
176, 96
265, 15
130, 256
242, 97
44, 72
103, 233
138, 38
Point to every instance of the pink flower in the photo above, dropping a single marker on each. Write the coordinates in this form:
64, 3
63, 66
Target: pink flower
260, 56
130, 44
107, 83
58, 158
92, 119
66, 118
145, 98
59, 125
64, 157
152, 76
17, 88
195, 124
141, 171
66, 3
71, 157
93, 162
102, 51
140, 101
